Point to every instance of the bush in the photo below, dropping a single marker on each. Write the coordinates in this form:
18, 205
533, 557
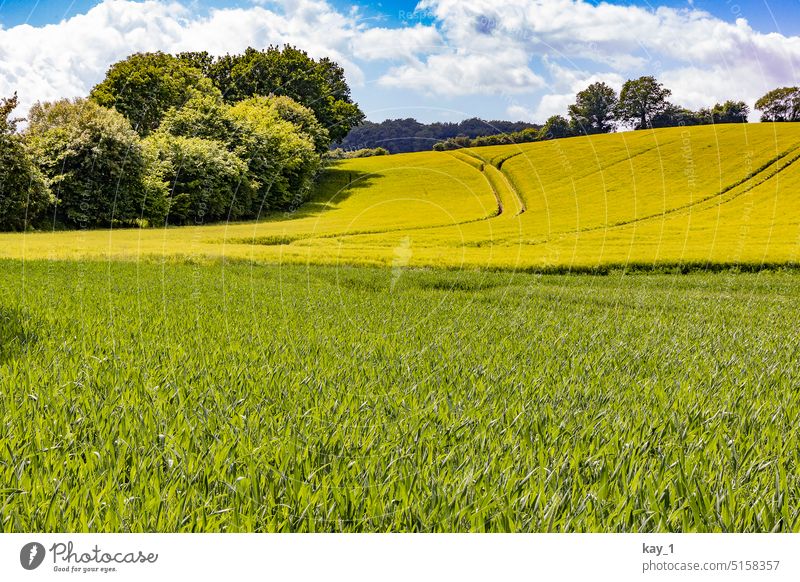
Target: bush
24, 195
94, 164
282, 160
340, 154
206, 182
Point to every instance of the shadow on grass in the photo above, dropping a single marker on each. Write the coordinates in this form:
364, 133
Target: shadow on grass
334, 186
16, 334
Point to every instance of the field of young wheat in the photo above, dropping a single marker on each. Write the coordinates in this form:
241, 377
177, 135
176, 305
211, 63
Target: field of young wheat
237, 397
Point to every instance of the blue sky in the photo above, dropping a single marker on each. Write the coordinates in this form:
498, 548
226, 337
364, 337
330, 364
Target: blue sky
765, 15
497, 59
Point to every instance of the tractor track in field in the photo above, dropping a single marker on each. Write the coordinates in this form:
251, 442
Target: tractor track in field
481, 169
509, 181
757, 177
334, 235
269, 240
521, 205
748, 183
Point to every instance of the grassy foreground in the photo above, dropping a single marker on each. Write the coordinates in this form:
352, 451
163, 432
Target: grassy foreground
139, 397
711, 196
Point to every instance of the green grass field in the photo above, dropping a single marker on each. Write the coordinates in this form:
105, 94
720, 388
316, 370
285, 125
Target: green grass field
414, 350
144, 397
724, 195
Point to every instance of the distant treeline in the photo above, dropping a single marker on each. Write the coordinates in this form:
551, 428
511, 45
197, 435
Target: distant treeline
175, 139
643, 103
409, 135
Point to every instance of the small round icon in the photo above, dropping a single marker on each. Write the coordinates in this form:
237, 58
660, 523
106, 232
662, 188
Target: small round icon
31, 555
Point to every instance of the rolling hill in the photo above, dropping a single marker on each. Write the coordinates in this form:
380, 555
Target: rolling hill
709, 195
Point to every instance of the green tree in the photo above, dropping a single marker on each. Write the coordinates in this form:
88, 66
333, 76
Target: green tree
729, 112
594, 110
94, 164
676, 116
282, 160
145, 86
274, 136
303, 119
204, 116
206, 182
24, 196
641, 100
780, 105
319, 85
556, 127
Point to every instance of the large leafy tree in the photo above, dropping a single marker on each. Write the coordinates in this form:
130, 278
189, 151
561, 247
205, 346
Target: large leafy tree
24, 196
556, 127
145, 86
302, 118
594, 109
780, 105
641, 100
319, 85
206, 117
94, 164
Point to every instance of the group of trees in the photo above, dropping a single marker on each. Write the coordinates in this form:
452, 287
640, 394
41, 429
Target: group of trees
342, 154
23, 191
176, 139
523, 136
409, 135
643, 103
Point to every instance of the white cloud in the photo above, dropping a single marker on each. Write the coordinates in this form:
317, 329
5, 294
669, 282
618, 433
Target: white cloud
501, 72
67, 59
542, 50
396, 43
702, 58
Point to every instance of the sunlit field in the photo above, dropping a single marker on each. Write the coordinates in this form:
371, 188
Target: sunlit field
701, 196
188, 397
442, 341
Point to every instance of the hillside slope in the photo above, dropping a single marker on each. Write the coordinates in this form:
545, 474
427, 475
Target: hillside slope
701, 195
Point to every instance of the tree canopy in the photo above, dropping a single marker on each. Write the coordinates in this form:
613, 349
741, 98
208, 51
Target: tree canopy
728, 112
319, 85
556, 127
93, 161
145, 86
781, 104
409, 135
206, 182
281, 157
641, 100
594, 109
24, 196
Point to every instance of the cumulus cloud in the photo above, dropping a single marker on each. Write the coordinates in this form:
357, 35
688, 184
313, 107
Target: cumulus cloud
572, 43
396, 43
541, 52
67, 59
501, 72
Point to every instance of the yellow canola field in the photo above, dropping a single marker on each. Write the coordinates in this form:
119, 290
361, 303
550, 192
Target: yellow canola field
711, 195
